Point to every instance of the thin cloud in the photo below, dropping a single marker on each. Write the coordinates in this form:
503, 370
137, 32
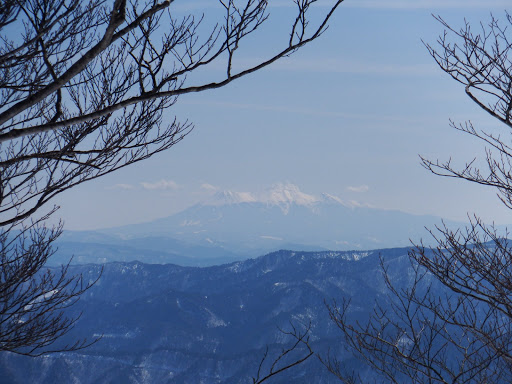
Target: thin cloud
209, 187
201, 5
428, 4
304, 111
333, 65
336, 65
125, 187
358, 189
160, 185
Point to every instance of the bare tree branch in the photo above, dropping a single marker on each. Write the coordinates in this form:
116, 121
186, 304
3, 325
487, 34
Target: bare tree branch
85, 89
297, 353
452, 322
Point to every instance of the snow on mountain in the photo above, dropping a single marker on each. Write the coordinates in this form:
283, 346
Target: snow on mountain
283, 195
288, 194
232, 197
331, 199
171, 324
282, 217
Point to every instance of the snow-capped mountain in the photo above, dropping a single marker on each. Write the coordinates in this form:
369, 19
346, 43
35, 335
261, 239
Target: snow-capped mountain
231, 197
249, 224
283, 195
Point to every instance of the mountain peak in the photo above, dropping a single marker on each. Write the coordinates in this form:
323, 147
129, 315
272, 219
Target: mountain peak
287, 193
232, 197
283, 195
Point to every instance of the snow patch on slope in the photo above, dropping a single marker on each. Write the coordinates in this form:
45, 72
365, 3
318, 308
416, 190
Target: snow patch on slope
287, 193
232, 197
214, 321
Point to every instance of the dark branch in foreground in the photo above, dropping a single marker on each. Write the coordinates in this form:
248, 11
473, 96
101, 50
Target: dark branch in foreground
86, 88
295, 354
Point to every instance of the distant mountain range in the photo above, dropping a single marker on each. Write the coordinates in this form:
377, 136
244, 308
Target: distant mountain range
181, 325
237, 225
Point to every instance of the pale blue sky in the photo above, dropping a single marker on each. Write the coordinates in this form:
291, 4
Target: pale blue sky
347, 115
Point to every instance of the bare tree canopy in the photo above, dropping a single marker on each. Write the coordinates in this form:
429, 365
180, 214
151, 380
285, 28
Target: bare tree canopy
482, 62
83, 90
453, 322
33, 301
441, 327
84, 86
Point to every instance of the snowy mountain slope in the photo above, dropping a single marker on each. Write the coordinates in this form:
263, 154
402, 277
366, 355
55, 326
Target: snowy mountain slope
250, 224
171, 324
